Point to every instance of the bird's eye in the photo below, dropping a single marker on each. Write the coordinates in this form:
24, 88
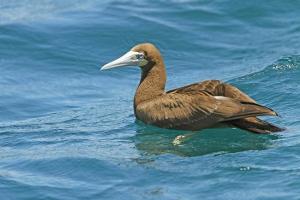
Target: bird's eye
139, 56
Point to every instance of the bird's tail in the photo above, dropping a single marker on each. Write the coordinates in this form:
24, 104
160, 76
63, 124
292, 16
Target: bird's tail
255, 125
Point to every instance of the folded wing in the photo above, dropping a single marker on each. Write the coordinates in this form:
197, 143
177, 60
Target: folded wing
197, 106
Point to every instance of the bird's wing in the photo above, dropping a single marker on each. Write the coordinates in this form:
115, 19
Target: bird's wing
187, 107
216, 88
210, 86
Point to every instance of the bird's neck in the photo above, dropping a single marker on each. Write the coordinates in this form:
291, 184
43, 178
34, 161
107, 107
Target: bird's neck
152, 84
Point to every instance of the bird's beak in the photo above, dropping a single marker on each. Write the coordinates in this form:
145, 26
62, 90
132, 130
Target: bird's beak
128, 59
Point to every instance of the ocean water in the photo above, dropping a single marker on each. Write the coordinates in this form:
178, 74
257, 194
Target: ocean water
67, 130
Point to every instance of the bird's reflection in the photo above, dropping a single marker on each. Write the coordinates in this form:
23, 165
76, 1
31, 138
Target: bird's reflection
154, 141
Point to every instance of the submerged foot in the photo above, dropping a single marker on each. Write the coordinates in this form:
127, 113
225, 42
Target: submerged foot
182, 138
178, 140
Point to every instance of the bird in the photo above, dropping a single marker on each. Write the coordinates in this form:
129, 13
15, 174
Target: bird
201, 105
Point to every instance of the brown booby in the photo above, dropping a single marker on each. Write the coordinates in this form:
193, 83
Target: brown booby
206, 104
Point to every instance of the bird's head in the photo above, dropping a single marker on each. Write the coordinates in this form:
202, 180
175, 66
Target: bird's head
141, 55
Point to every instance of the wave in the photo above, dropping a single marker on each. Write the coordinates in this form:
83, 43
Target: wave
285, 64
20, 12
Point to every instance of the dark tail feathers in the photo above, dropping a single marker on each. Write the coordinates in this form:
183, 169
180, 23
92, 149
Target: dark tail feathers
255, 125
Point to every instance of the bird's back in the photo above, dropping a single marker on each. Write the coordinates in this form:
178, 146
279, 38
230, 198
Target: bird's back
198, 106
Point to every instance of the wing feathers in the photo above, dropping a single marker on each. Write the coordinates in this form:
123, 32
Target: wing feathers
199, 106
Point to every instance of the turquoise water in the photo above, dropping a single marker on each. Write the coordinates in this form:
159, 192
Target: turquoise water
67, 130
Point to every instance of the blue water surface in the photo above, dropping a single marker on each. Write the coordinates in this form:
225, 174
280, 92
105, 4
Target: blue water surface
67, 130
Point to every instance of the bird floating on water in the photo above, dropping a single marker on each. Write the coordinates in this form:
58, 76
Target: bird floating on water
206, 104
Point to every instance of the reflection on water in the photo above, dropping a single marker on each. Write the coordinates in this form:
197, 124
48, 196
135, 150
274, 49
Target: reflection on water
155, 141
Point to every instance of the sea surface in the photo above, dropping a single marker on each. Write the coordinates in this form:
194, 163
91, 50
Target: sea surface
67, 130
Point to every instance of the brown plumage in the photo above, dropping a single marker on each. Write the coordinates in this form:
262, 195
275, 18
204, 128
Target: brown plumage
193, 107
